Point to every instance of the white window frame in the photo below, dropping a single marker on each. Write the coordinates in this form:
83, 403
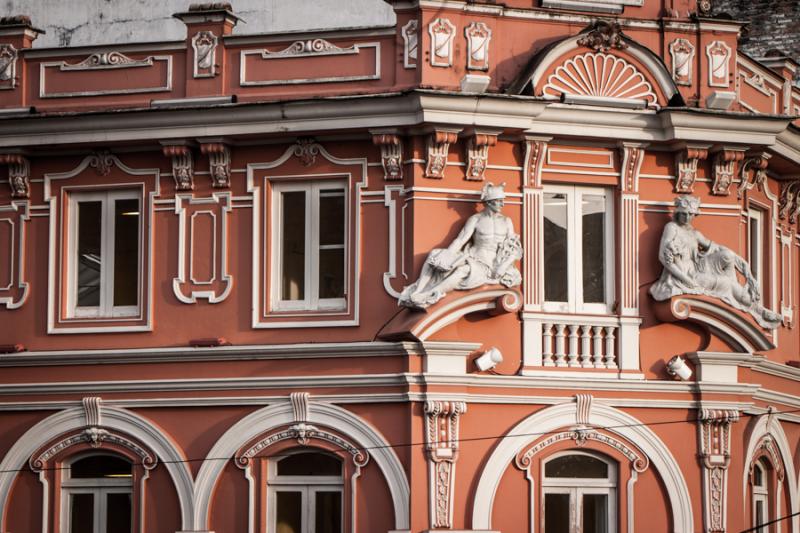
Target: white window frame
311, 301
99, 487
578, 487
308, 486
761, 495
575, 303
756, 216
106, 309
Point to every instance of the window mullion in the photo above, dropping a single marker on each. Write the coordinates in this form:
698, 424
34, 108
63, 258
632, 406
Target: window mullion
574, 256
107, 257
99, 511
312, 252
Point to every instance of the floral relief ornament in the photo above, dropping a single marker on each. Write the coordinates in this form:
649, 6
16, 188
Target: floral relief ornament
442, 33
205, 50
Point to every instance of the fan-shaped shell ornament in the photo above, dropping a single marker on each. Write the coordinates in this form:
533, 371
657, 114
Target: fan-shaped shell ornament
600, 75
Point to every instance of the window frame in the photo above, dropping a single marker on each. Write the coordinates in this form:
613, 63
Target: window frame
106, 309
311, 300
308, 486
578, 487
575, 303
757, 216
760, 494
98, 487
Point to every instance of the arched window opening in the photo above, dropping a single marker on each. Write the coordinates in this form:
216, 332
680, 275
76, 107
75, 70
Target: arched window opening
579, 494
97, 495
305, 493
760, 487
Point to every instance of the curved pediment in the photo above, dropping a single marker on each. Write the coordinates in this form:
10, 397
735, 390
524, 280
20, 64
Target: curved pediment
420, 325
599, 66
735, 328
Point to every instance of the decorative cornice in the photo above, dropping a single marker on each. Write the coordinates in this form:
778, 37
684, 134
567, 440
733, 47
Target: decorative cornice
96, 437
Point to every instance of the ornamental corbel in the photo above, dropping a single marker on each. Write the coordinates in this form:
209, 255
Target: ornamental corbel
19, 174
182, 166
219, 163
789, 202
686, 162
441, 443
478, 154
391, 146
753, 173
715, 452
439, 143
724, 170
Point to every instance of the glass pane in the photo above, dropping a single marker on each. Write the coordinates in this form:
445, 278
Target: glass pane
331, 273
593, 218
595, 513
556, 513
328, 512
101, 466
309, 464
754, 242
293, 245
760, 515
90, 217
81, 513
118, 513
576, 466
331, 217
126, 252
758, 476
288, 512
555, 247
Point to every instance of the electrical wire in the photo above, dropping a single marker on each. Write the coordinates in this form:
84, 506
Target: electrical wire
765, 524
457, 441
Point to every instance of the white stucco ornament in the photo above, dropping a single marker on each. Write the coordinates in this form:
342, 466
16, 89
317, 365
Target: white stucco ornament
694, 264
484, 252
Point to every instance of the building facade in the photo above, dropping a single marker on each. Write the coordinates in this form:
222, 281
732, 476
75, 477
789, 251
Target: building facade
519, 267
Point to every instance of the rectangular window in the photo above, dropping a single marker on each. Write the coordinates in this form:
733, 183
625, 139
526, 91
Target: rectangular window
578, 249
309, 246
104, 254
755, 246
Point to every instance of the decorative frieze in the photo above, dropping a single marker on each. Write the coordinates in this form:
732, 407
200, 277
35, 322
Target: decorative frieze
753, 173
391, 155
204, 44
19, 174
715, 452
478, 155
219, 163
8, 66
478, 38
439, 143
686, 162
442, 33
682, 53
182, 166
410, 34
718, 55
441, 442
725, 170
602, 36
96, 437
107, 60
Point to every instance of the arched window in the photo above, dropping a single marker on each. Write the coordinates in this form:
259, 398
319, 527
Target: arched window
97, 495
760, 487
305, 493
579, 493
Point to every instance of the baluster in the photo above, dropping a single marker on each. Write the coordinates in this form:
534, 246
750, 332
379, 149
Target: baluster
586, 352
610, 360
597, 346
547, 344
560, 354
573, 345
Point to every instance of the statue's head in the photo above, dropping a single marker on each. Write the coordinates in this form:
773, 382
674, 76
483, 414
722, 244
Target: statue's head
493, 196
689, 205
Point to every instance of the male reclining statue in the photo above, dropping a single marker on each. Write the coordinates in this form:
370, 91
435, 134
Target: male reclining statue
483, 253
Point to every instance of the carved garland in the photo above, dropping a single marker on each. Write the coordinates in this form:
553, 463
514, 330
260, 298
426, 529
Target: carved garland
96, 437
441, 442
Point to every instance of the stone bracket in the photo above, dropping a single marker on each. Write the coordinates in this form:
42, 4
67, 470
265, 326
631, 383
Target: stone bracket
439, 142
391, 146
686, 161
182, 165
725, 169
19, 174
478, 154
753, 172
219, 163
